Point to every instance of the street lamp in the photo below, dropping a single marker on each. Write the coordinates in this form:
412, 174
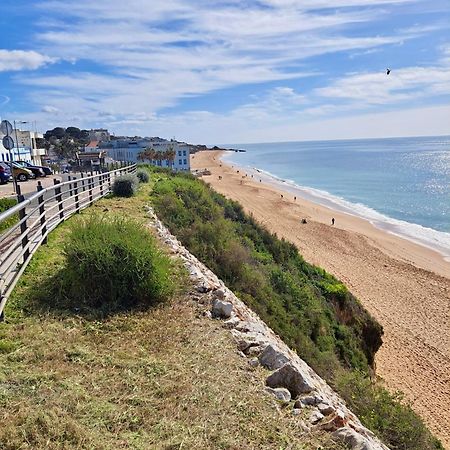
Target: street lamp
17, 140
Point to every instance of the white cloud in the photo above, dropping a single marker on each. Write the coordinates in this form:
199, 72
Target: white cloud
148, 56
50, 109
381, 89
14, 60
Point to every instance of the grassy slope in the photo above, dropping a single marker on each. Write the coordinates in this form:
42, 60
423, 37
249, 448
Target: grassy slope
311, 310
138, 380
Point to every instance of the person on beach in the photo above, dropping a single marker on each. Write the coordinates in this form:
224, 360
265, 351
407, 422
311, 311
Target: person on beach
332, 221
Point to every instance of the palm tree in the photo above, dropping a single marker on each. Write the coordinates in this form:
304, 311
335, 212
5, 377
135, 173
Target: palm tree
171, 153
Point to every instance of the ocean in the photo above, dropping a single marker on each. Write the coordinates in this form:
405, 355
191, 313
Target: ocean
401, 185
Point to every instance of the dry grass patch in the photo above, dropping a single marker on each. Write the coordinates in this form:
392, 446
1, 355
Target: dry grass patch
165, 378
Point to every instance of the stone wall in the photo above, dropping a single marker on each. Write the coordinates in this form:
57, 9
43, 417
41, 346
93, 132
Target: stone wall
291, 380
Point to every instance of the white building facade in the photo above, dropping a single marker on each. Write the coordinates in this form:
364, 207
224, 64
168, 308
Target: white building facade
130, 149
25, 148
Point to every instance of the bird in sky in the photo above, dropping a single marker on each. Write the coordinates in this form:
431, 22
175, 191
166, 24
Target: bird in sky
388, 71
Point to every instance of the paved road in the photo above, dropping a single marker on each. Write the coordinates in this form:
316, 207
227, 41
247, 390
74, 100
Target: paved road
30, 187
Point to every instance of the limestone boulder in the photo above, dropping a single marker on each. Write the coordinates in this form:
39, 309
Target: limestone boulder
221, 309
272, 358
281, 394
353, 439
291, 378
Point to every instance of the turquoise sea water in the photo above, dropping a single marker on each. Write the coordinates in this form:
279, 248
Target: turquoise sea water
399, 184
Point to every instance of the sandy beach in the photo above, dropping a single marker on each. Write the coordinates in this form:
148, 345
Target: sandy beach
405, 286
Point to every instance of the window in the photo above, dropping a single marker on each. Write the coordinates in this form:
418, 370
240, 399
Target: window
185, 161
159, 162
179, 152
184, 153
180, 162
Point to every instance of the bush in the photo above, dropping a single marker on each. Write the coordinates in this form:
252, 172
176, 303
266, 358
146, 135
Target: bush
385, 414
307, 307
125, 186
143, 176
114, 264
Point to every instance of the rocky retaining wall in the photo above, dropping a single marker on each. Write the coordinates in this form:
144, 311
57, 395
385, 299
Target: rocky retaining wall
291, 380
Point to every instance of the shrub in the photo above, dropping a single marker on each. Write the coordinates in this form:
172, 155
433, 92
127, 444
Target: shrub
114, 264
385, 414
143, 176
125, 186
307, 307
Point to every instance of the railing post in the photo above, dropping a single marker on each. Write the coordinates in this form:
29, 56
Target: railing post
90, 185
59, 198
23, 225
101, 185
82, 181
42, 212
70, 186
77, 203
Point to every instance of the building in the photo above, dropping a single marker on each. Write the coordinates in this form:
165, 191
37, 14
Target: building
26, 147
155, 151
91, 159
99, 134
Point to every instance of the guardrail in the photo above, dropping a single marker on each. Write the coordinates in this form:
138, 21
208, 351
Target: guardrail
42, 212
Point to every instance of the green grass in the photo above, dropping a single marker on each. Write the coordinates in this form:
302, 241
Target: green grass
161, 378
311, 310
5, 204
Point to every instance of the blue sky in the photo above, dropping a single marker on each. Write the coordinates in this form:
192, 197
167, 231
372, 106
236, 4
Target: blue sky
229, 71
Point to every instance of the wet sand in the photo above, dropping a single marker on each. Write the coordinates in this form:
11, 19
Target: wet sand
405, 286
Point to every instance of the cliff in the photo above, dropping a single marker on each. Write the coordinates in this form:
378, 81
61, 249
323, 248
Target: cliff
289, 378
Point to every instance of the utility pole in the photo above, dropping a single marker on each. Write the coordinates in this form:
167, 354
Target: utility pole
17, 140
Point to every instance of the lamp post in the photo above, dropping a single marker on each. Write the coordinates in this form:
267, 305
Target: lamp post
17, 140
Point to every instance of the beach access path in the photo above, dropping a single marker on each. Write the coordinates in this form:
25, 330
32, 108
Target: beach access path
405, 286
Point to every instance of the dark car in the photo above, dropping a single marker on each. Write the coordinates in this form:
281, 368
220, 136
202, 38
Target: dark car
5, 173
35, 170
46, 170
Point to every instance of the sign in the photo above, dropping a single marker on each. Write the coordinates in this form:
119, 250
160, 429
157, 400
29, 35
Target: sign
6, 127
8, 142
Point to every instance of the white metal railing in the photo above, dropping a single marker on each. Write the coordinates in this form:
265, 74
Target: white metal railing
42, 212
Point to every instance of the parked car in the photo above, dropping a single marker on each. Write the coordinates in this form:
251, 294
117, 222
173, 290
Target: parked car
5, 173
20, 173
44, 169
35, 170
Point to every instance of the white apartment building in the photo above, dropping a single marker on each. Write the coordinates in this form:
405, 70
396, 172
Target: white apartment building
129, 150
25, 147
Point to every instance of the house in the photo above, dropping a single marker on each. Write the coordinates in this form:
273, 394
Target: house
91, 159
155, 151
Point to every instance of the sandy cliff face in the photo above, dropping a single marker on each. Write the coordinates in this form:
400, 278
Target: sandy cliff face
289, 378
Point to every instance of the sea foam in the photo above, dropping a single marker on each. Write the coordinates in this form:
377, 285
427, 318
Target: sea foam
435, 240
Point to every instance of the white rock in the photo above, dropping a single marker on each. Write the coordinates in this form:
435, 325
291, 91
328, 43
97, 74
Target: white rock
253, 362
220, 294
290, 377
355, 440
325, 408
221, 309
231, 323
315, 417
272, 358
281, 394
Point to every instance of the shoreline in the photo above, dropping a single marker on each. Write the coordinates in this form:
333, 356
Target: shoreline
335, 204
404, 285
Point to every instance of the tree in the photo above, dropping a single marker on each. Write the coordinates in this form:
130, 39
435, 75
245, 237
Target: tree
57, 133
